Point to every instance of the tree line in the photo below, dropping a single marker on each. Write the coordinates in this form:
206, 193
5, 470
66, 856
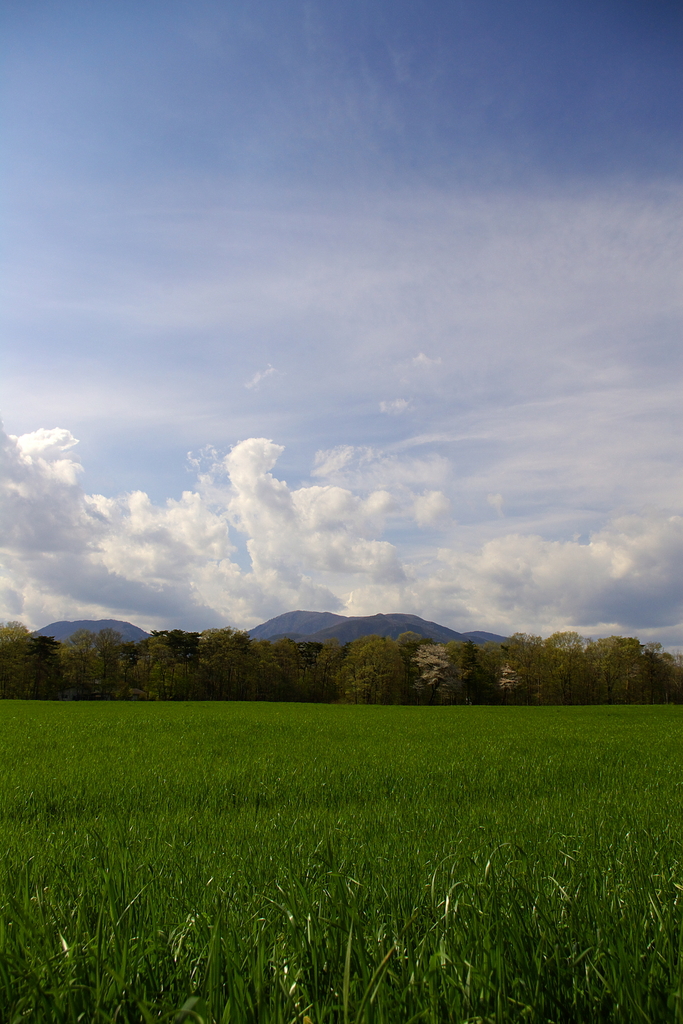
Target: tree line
226, 664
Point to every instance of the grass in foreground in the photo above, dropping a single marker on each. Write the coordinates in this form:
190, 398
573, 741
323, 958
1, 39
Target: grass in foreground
267, 863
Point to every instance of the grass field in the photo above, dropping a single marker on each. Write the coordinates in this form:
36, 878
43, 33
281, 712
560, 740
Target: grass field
267, 863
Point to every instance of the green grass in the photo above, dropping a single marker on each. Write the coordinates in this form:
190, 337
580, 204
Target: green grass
264, 862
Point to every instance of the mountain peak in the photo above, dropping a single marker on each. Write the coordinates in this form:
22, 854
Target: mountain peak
64, 629
321, 626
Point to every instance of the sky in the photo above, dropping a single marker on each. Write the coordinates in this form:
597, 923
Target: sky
362, 307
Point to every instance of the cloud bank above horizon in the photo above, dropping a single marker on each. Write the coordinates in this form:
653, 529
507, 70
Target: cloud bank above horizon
320, 547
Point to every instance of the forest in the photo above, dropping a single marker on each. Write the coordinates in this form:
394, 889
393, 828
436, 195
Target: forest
226, 664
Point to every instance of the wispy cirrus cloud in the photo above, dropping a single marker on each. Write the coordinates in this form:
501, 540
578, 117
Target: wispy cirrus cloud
260, 375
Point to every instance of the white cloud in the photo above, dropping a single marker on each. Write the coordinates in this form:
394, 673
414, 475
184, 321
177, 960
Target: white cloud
329, 462
45, 449
259, 376
395, 407
364, 468
67, 554
323, 528
431, 508
496, 501
627, 577
424, 362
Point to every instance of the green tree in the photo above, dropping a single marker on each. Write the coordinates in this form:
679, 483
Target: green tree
108, 647
655, 672
79, 660
45, 675
373, 671
563, 665
612, 663
14, 650
676, 677
129, 658
614, 666
492, 660
309, 653
408, 644
228, 664
288, 668
328, 671
524, 654
478, 670
175, 655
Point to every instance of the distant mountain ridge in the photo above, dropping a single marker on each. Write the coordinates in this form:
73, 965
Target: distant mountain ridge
316, 626
300, 626
301, 623
63, 630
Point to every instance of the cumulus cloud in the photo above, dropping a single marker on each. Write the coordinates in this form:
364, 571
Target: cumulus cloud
628, 576
431, 508
323, 528
66, 553
69, 554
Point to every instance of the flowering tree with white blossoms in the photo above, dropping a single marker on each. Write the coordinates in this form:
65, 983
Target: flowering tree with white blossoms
438, 675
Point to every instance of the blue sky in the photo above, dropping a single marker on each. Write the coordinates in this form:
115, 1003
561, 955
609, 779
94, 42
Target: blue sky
429, 254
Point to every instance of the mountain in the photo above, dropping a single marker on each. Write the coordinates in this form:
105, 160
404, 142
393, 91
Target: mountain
480, 637
387, 625
317, 626
63, 630
301, 623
